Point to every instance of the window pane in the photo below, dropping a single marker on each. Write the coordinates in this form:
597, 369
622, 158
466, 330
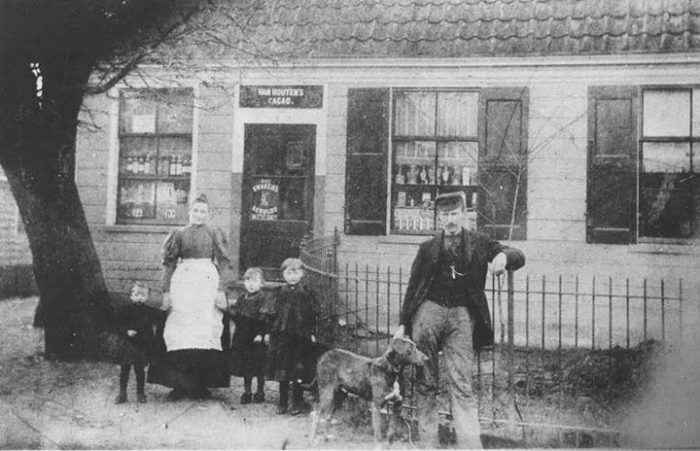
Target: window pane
138, 155
415, 163
136, 199
666, 113
137, 112
696, 158
665, 157
457, 113
668, 205
175, 113
414, 114
457, 163
173, 197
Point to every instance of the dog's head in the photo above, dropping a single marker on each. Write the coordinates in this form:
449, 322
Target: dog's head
404, 351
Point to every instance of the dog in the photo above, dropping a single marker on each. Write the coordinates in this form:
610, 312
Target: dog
339, 372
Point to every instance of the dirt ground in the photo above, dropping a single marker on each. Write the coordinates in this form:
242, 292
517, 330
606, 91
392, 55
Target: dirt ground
70, 405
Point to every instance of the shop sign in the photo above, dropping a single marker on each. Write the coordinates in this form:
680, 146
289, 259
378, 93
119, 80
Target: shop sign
281, 96
265, 205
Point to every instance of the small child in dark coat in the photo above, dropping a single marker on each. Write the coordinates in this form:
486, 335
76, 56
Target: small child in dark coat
248, 353
291, 357
135, 322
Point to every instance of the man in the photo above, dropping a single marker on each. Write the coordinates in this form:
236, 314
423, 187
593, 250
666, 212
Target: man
445, 309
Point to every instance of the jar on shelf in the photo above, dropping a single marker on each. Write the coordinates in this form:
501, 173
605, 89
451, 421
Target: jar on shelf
400, 178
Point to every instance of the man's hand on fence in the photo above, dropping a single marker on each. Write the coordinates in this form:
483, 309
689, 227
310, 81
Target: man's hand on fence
498, 264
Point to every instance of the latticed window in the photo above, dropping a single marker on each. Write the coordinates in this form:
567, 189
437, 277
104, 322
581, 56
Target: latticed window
155, 155
670, 161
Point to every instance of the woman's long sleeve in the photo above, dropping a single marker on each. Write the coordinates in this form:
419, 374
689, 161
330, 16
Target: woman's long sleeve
223, 259
171, 253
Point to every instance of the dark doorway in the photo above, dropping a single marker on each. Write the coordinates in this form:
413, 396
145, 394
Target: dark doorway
278, 192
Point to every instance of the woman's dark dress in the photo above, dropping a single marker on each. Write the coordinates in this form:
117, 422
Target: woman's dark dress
291, 356
197, 367
246, 357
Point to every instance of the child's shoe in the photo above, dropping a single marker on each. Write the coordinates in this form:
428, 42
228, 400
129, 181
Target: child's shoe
141, 398
120, 399
259, 397
281, 410
301, 407
246, 398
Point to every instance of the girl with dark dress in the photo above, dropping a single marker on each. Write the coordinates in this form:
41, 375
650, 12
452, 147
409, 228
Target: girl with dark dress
193, 294
291, 357
135, 322
248, 354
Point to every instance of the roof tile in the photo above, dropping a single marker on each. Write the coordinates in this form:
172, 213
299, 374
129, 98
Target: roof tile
459, 28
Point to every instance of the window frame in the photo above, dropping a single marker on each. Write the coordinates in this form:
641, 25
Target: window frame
641, 138
112, 220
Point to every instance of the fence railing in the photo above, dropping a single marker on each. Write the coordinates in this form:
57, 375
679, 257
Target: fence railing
563, 345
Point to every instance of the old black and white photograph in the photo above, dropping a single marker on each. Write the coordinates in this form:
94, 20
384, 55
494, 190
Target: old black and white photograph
349, 224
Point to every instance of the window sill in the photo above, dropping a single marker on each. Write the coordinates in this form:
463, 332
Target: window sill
404, 239
666, 247
138, 228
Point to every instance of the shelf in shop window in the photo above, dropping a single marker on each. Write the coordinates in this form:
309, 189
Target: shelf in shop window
413, 232
418, 185
153, 176
154, 135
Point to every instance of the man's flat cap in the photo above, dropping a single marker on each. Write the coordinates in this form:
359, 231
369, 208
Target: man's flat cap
450, 201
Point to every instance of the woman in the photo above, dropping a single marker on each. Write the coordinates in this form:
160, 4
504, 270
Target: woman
193, 294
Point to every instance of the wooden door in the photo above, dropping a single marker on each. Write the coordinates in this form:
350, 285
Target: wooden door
278, 191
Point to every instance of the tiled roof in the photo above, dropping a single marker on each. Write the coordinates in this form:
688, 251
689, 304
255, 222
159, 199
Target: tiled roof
459, 28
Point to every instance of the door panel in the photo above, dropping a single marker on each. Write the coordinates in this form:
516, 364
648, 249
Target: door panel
278, 190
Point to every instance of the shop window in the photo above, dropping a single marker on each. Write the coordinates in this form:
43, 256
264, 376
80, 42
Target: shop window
435, 150
643, 183
155, 156
441, 141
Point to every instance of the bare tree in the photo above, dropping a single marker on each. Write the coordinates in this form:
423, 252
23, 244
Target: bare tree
49, 50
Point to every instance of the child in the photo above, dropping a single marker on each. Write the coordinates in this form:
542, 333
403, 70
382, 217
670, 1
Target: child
135, 322
248, 354
292, 337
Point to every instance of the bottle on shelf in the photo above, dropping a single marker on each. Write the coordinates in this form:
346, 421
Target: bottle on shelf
147, 164
412, 175
187, 166
457, 176
423, 176
466, 175
130, 165
178, 165
171, 166
446, 177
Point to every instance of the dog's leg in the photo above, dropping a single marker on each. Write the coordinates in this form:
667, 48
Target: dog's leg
324, 412
376, 425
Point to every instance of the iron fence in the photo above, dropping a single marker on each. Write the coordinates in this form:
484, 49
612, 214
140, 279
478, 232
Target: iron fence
567, 351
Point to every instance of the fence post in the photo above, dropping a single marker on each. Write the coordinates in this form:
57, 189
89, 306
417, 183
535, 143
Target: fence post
511, 327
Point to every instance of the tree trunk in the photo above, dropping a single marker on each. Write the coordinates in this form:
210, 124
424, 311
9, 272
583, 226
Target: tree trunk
37, 152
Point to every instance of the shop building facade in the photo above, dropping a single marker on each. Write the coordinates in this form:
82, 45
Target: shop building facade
573, 127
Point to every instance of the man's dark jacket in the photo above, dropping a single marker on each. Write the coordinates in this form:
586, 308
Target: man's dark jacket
479, 250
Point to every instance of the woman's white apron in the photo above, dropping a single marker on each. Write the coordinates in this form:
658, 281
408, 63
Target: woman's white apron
194, 322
